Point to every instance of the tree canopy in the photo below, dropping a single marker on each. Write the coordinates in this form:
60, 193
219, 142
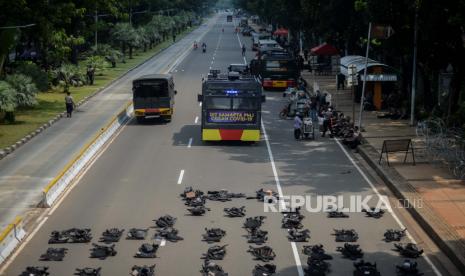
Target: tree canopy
344, 23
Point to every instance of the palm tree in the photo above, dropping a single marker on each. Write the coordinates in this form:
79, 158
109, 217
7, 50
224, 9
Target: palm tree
153, 34
125, 35
25, 88
97, 62
144, 35
7, 101
67, 75
105, 50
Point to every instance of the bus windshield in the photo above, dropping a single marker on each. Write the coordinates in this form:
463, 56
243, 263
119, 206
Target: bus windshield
278, 65
245, 103
218, 103
232, 103
151, 89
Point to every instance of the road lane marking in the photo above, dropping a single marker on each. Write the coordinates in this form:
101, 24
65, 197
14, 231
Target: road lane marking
196, 119
396, 218
21, 247
190, 143
295, 252
181, 175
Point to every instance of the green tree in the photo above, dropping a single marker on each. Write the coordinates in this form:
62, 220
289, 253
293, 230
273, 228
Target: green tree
8, 39
61, 46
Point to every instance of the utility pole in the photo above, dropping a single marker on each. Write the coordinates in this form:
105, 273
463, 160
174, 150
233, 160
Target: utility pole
96, 16
414, 70
364, 79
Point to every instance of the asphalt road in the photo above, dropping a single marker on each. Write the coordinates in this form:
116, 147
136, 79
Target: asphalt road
136, 180
24, 174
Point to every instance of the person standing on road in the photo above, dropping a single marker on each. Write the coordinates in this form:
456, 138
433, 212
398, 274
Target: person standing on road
69, 102
327, 115
174, 37
297, 126
243, 49
314, 109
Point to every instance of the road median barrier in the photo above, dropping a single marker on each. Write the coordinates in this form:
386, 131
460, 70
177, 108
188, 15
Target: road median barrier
10, 237
58, 185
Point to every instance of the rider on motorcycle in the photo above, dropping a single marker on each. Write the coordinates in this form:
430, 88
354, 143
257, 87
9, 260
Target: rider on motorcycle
195, 44
204, 46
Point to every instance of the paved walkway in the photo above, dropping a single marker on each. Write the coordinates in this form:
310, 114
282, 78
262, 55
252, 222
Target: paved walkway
438, 198
25, 172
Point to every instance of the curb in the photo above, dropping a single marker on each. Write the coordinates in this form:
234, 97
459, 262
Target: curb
444, 237
8, 150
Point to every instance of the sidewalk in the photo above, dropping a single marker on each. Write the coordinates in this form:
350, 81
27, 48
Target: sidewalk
438, 198
26, 172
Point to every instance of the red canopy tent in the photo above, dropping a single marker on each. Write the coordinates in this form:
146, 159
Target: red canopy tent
281, 31
324, 49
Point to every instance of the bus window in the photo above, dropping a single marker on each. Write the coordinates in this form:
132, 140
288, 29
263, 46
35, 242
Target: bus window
153, 89
218, 103
245, 104
277, 66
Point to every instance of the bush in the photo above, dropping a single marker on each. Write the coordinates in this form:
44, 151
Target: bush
7, 101
69, 74
30, 69
97, 62
26, 89
111, 55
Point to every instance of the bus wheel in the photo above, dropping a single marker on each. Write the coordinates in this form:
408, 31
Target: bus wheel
140, 119
168, 118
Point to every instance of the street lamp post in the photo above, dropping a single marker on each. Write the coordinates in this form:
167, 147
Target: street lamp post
362, 99
414, 71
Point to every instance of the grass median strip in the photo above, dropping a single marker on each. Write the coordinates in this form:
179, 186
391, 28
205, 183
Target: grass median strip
51, 103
